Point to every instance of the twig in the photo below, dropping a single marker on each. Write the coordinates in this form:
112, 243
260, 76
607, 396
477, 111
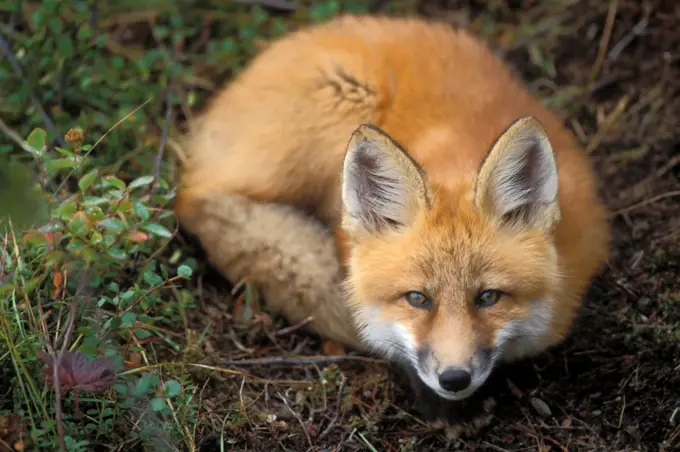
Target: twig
297, 416
616, 113
494, 447
164, 138
637, 30
73, 308
295, 327
3, 257
328, 429
101, 138
604, 42
537, 435
309, 360
623, 409
638, 187
7, 130
278, 4
150, 291
57, 396
7, 50
645, 202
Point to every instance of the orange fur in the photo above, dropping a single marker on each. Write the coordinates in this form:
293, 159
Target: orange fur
279, 132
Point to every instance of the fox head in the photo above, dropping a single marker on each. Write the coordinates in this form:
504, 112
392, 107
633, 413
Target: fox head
450, 280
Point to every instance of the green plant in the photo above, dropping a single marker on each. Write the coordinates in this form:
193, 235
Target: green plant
88, 280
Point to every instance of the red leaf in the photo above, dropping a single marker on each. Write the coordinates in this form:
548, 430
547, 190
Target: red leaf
138, 236
76, 372
58, 281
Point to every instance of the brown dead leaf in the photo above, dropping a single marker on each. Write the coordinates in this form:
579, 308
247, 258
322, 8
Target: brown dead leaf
76, 372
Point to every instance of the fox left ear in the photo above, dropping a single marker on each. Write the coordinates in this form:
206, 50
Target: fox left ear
517, 181
382, 187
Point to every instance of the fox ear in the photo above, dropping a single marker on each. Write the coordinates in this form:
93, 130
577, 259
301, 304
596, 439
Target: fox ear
382, 187
517, 181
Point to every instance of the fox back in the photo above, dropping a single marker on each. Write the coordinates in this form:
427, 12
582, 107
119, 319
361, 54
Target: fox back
466, 213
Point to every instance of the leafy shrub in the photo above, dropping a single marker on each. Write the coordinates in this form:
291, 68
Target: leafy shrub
88, 280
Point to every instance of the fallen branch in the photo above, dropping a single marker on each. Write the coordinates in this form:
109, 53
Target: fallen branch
302, 361
646, 202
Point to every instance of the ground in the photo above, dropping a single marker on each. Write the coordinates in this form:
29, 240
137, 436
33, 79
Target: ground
610, 68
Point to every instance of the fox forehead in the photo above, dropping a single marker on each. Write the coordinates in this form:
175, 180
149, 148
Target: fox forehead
453, 248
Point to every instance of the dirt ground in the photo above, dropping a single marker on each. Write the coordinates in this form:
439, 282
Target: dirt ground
611, 69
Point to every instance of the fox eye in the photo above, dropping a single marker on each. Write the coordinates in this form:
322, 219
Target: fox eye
488, 298
418, 300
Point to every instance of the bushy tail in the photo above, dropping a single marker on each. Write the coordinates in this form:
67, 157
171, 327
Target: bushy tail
289, 256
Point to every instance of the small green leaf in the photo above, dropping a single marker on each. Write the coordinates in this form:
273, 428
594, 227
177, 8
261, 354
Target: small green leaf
120, 389
145, 385
112, 224
66, 209
58, 164
117, 254
152, 279
87, 180
91, 201
158, 404
90, 255
34, 238
84, 33
141, 210
115, 182
64, 152
184, 270
128, 319
65, 46
142, 333
141, 181
173, 388
78, 224
157, 229
37, 140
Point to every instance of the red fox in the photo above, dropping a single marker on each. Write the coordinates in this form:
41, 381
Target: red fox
465, 214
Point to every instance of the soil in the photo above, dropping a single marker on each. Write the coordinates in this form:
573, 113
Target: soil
614, 385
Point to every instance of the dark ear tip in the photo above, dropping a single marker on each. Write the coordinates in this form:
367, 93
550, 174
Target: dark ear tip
369, 126
366, 132
528, 122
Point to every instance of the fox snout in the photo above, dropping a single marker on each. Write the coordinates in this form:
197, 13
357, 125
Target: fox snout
454, 380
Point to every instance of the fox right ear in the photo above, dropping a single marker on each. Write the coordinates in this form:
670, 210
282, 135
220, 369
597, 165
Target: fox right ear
518, 180
382, 187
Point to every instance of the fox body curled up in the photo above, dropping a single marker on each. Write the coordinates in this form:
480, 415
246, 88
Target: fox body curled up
464, 212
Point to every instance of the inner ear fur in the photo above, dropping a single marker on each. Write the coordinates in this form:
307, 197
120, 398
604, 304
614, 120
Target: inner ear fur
517, 182
382, 186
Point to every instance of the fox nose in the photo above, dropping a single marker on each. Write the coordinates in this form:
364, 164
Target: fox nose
455, 380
